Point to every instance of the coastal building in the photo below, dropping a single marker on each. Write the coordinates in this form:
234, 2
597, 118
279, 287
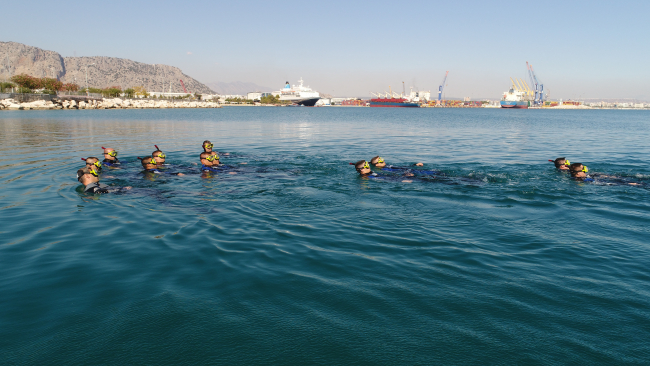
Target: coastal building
222, 98
256, 96
167, 95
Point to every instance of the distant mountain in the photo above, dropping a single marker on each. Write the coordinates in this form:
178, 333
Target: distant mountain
238, 88
106, 71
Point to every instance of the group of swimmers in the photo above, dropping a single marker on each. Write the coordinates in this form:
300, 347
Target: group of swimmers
579, 172
210, 162
364, 170
90, 174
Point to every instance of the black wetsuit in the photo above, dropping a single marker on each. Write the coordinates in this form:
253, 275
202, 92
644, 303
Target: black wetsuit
218, 168
392, 168
614, 180
96, 188
156, 171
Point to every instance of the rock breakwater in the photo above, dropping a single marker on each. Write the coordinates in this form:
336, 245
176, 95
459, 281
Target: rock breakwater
106, 103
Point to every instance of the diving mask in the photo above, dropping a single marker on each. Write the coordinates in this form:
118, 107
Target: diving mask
111, 153
365, 166
93, 171
212, 158
97, 164
380, 160
208, 146
567, 163
160, 155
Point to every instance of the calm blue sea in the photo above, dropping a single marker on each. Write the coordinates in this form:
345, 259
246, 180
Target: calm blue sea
295, 259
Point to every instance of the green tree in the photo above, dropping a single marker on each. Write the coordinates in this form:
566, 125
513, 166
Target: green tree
113, 91
51, 84
6, 86
270, 99
140, 91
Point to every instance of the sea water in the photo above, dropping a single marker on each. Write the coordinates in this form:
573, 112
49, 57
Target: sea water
295, 259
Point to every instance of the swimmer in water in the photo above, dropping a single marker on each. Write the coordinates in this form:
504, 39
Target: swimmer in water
110, 157
579, 172
89, 177
159, 156
363, 168
561, 163
209, 161
608, 179
207, 146
379, 162
149, 164
93, 161
151, 167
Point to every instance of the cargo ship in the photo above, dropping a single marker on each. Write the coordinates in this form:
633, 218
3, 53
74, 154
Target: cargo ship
298, 94
396, 101
516, 97
392, 102
522, 104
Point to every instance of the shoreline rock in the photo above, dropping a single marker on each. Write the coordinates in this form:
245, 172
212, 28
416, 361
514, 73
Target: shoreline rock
105, 103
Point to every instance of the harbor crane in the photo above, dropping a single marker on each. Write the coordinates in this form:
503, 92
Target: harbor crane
528, 90
183, 85
442, 87
539, 87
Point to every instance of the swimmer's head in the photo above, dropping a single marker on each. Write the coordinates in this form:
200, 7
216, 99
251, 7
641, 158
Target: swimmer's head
109, 154
93, 161
88, 175
159, 156
148, 162
578, 170
378, 161
562, 163
362, 167
207, 146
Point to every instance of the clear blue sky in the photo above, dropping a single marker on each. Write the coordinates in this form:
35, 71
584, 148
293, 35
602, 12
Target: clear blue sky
587, 49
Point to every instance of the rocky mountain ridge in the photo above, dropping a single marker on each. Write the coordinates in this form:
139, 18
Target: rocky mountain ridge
103, 72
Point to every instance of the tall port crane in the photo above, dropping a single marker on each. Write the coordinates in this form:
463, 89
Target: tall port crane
183, 85
539, 87
441, 87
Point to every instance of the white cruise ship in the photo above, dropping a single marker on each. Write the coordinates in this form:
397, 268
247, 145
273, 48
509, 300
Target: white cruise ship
299, 94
